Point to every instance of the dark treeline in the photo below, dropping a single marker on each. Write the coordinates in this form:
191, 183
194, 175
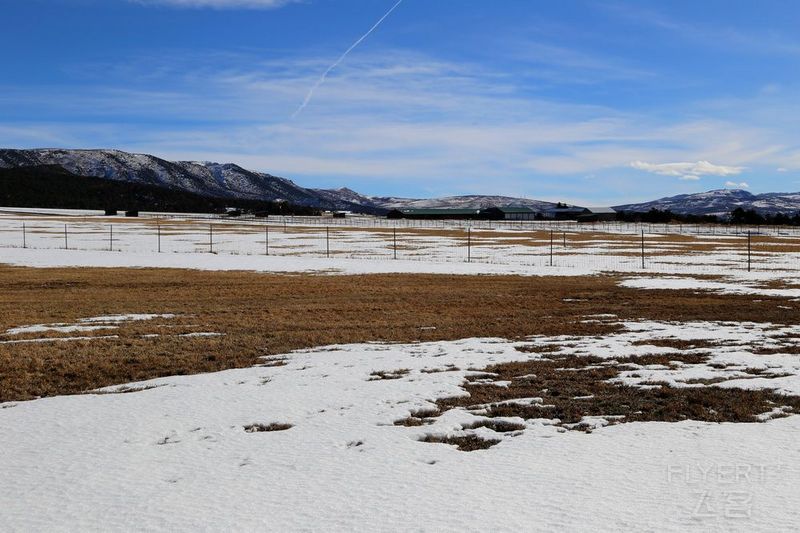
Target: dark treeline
56, 188
657, 216
738, 216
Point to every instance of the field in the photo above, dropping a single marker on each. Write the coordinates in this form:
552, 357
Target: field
328, 383
319, 244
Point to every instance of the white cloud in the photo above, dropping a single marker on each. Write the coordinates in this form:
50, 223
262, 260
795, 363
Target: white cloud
782, 169
734, 185
219, 4
687, 170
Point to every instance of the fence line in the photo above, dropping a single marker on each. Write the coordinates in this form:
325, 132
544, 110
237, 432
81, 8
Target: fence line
527, 246
511, 225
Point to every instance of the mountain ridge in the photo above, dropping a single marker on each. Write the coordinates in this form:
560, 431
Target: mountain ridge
222, 180
720, 202
229, 180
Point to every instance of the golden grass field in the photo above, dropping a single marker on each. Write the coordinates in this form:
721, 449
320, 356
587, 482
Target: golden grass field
267, 314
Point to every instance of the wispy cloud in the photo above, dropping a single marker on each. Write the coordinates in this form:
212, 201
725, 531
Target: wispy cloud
735, 185
687, 171
747, 40
219, 4
571, 65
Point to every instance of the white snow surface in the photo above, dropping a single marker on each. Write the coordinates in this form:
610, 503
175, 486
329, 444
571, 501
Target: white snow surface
59, 339
174, 456
725, 287
92, 323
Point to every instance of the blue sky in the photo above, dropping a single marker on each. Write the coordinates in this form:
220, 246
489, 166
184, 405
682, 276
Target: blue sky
584, 101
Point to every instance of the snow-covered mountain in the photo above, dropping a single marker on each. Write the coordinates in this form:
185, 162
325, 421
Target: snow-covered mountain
204, 178
721, 202
232, 181
464, 202
346, 196
453, 202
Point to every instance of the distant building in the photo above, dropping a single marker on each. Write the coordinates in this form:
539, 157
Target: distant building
508, 213
435, 214
566, 212
583, 214
598, 214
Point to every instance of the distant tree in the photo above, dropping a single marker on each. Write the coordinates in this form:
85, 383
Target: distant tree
748, 216
658, 216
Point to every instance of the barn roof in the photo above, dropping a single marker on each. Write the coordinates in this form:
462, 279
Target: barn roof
601, 210
568, 209
442, 211
514, 209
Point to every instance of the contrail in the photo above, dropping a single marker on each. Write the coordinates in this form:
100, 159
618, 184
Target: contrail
322, 78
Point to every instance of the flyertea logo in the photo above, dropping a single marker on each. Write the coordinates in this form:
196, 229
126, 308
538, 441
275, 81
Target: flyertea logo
720, 490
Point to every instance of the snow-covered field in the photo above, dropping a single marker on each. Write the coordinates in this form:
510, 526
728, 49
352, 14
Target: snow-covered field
308, 440
274, 246
176, 455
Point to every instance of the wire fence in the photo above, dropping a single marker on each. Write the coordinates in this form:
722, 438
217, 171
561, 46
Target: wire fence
609, 247
510, 225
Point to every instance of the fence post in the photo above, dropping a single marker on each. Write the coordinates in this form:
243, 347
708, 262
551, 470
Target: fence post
24, 237
564, 236
643, 249
551, 247
158, 230
111, 237
469, 244
266, 239
748, 251
394, 238
66, 240
327, 241
211, 238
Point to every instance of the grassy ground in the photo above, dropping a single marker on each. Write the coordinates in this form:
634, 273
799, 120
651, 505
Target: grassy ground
261, 314
571, 388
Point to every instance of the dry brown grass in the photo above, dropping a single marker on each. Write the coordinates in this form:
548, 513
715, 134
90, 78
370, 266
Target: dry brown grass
260, 428
573, 387
465, 443
383, 374
678, 344
263, 314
